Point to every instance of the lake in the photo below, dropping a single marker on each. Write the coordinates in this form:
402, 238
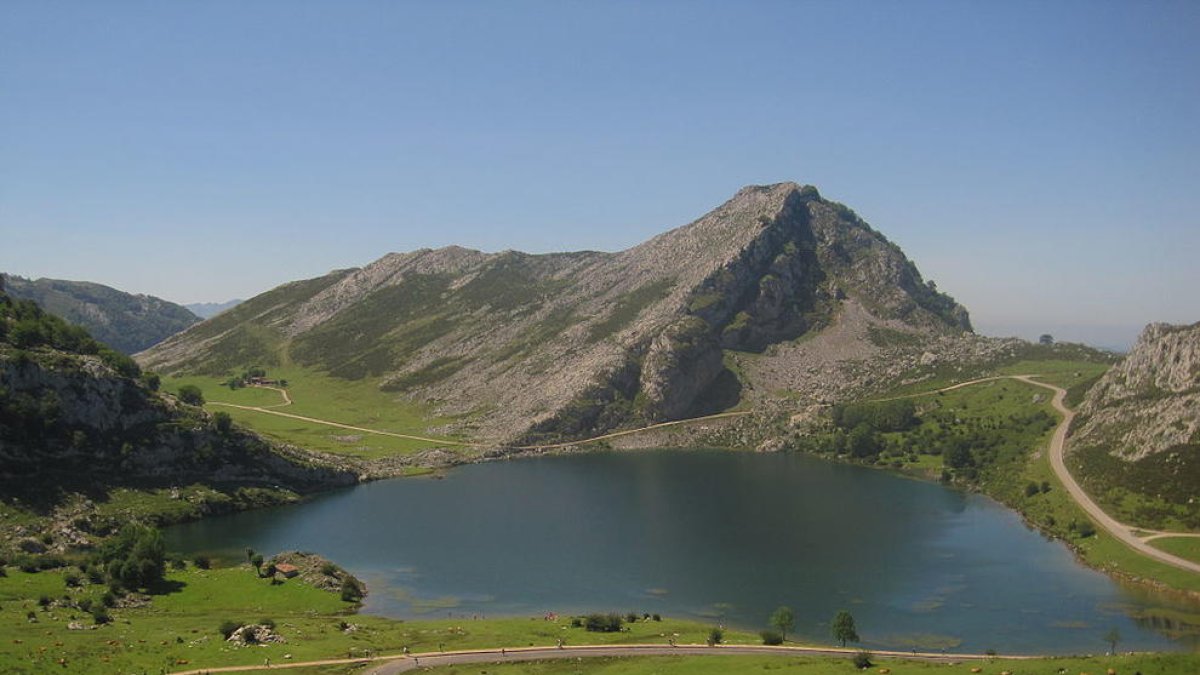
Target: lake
713, 535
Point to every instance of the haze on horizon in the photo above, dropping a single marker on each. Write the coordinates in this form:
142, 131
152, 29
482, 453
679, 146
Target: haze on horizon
1038, 162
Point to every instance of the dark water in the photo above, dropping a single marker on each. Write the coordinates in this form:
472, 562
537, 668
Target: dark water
715, 535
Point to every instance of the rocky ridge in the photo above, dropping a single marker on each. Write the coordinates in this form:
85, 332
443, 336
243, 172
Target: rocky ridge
125, 321
1150, 402
531, 347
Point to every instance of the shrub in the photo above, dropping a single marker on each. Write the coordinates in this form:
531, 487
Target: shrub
1031, 489
770, 637
191, 394
72, 580
329, 569
268, 622
631, 618
715, 636
656, 617
100, 615
862, 660
108, 599
227, 627
351, 591
85, 604
202, 561
44, 601
602, 623
576, 622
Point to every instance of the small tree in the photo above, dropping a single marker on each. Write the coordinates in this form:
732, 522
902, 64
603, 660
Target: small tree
784, 620
257, 561
223, 422
191, 395
1112, 637
1046, 339
351, 591
843, 628
715, 636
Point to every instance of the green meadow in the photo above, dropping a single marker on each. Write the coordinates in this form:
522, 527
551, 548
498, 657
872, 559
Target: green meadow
178, 628
358, 403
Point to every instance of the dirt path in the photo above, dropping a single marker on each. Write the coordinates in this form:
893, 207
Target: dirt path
268, 409
1132, 537
399, 663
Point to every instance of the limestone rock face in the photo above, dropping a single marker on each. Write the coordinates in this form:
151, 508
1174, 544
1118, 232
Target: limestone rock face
1150, 402
528, 347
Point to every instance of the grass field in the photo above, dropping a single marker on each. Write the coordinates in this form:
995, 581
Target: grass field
179, 627
353, 402
1184, 547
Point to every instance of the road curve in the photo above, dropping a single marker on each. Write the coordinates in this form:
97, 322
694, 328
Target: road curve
1124, 533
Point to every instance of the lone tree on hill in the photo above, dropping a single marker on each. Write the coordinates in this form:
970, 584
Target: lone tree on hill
1046, 339
784, 620
843, 627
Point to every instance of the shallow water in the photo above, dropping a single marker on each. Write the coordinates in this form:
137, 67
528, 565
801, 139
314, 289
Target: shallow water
714, 535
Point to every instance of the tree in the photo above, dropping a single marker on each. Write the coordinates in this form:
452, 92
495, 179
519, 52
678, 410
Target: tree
136, 557
223, 421
784, 620
191, 395
843, 627
257, 561
1046, 339
1112, 637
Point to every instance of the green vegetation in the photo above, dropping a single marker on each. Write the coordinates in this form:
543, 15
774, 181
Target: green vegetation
843, 628
1157, 491
24, 325
358, 403
187, 617
1184, 547
128, 323
783, 620
1147, 664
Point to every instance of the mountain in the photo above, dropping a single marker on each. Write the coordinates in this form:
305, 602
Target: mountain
128, 323
560, 345
207, 310
1136, 441
79, 418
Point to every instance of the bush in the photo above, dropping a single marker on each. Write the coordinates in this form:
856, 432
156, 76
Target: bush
576, 622
329, 569
202, 562
602, 623
631, 618
351, 591
100, 615
85, 604
227, 627
268, 622
656, 617
715, 636
108, 599
770, 637
1031, 489
44, 601
862, 660
191, 394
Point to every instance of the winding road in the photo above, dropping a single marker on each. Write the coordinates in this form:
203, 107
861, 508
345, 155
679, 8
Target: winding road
1133, 537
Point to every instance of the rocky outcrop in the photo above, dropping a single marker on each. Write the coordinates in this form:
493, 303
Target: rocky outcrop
571, 344
1150, 402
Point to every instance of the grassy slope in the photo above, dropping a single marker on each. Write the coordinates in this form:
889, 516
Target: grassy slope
1184, 547
1053, 512
353, 402
181, 625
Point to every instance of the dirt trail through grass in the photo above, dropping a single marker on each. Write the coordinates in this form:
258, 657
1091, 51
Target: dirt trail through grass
1133, 537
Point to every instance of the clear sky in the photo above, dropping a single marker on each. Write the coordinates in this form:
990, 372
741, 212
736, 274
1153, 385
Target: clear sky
1040, 161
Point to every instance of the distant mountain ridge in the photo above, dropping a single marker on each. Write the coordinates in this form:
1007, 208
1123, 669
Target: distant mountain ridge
124, 321
559, 345
207, 310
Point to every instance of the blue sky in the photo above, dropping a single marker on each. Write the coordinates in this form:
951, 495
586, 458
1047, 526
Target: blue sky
1040, 161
